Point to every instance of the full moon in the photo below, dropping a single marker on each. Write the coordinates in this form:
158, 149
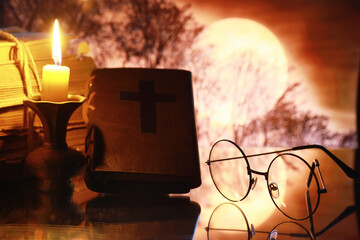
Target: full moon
247, 64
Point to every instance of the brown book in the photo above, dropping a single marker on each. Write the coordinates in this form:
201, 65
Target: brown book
142, 133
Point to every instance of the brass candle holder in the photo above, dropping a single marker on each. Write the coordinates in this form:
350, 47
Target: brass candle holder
54, 163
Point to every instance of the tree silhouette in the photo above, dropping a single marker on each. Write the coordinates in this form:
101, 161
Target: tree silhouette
285, 125
154, 33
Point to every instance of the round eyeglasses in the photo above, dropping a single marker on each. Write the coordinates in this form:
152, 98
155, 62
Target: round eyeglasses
228, 221
231, 173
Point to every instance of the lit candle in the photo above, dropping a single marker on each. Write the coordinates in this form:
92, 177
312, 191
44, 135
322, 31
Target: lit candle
55, 78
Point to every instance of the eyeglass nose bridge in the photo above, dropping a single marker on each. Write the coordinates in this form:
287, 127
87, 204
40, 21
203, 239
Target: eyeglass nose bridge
273, 187
254, 179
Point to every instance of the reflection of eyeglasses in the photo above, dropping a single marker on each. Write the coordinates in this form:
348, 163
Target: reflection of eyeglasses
225, 223
231, 173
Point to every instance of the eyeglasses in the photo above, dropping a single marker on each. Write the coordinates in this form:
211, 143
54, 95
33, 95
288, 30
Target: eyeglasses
232, 176
228, 221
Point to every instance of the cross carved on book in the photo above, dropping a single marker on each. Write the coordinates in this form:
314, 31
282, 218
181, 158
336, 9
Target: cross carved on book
148, 99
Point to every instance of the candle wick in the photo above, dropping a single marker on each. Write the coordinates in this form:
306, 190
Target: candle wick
56, 61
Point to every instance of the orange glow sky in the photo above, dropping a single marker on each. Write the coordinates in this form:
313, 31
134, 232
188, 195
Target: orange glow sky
321, 40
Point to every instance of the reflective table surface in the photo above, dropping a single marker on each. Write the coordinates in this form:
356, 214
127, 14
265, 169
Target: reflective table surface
201, 214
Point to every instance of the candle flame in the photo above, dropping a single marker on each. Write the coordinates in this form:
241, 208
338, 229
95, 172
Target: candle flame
56, 49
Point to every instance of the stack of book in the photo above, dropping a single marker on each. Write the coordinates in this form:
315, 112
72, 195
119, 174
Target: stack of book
14, 139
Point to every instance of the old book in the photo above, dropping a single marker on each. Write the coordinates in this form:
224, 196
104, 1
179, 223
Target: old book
142, 134
39, 44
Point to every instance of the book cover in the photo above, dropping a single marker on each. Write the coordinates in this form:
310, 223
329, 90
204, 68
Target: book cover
143, 127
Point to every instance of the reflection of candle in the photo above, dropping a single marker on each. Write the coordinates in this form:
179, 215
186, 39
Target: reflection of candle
55, 78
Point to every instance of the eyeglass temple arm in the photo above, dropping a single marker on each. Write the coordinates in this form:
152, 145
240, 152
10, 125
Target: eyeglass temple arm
347, 170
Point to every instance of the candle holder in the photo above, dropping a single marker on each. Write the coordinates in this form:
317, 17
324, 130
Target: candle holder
54, 163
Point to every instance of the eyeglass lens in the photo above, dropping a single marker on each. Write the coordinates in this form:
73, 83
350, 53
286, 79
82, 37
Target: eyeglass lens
231, 176
291, 194
228, 222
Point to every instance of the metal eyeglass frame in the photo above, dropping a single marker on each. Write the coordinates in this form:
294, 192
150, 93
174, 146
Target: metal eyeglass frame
251, 230
347, 170
311, 234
